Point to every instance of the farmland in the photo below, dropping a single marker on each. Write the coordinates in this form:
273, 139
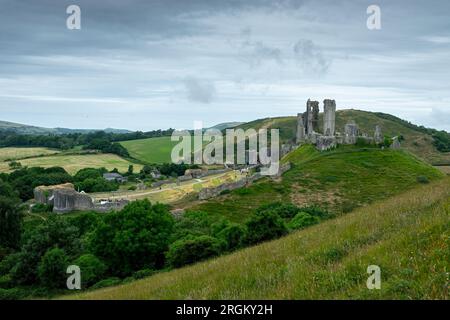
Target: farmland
74, 162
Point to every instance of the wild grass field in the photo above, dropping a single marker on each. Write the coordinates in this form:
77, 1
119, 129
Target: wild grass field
338, 180
407, 236
73, 163
11, 153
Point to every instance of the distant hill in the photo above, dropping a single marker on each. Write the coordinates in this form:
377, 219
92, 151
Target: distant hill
226, 125
33, 130
417, 139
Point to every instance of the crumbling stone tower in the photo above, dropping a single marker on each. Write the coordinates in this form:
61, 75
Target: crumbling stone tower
351, 133
300, 136
329, 117
311, 107
378, 136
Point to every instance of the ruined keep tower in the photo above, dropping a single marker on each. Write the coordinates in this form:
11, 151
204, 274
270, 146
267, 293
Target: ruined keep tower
378, 136
311, 107
300, 136
329, 117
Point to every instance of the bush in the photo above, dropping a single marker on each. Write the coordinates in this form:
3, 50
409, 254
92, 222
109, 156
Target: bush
92, 269
190, 250
284, 210
52, 269
8, 263
263, 226
143, 274
41, 208
422, 179
107, 283
233, 236
11, 294
302, 220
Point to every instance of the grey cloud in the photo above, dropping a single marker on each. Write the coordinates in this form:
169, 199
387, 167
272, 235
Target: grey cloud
310, 58
197, 90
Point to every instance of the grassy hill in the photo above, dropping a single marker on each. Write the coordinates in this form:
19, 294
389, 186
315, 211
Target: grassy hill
339, 180
407, 236
416, 141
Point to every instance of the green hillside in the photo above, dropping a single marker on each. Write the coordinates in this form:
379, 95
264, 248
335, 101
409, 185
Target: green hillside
407, 236
416, 141
339, 180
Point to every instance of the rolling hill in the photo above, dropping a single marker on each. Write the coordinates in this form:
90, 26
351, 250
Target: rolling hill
407, 236
33, 130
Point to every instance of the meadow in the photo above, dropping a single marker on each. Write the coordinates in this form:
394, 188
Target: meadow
407, 236
74, 162
11, 153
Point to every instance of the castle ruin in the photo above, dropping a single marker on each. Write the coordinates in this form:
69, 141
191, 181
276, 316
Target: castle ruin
308, 128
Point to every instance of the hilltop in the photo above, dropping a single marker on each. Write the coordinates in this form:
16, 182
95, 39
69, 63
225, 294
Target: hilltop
417, 140
326, 261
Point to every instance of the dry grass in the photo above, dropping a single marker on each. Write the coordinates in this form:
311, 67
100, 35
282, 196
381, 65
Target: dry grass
73, 163
407, 236
7, 154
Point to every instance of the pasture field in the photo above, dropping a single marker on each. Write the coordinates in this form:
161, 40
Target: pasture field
151, 150
407, 236
73, 163
11, 153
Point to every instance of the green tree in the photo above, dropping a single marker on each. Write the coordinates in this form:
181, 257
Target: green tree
233, 236
134, 238
92, 269
193, 249
10, 217
302, 220
263, 226
52, 268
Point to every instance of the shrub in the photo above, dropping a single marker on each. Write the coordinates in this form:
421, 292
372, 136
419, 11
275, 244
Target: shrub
422, 179
302, 220
233, 236
107, 283
284, 210
11, 294
92, 269
8, 263
263, 226
143, 274
190, 250
41, 208
52, 269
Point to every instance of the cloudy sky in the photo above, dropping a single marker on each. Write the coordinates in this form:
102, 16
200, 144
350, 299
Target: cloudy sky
152, 64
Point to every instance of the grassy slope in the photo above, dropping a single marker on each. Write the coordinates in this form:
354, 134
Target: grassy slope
339, 180
416, 142
407, 236
152, 150
73, 163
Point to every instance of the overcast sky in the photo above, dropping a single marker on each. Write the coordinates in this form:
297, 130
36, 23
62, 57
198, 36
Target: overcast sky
145, 65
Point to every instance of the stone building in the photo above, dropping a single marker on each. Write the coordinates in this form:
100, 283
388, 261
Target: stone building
378, 136
350, 133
